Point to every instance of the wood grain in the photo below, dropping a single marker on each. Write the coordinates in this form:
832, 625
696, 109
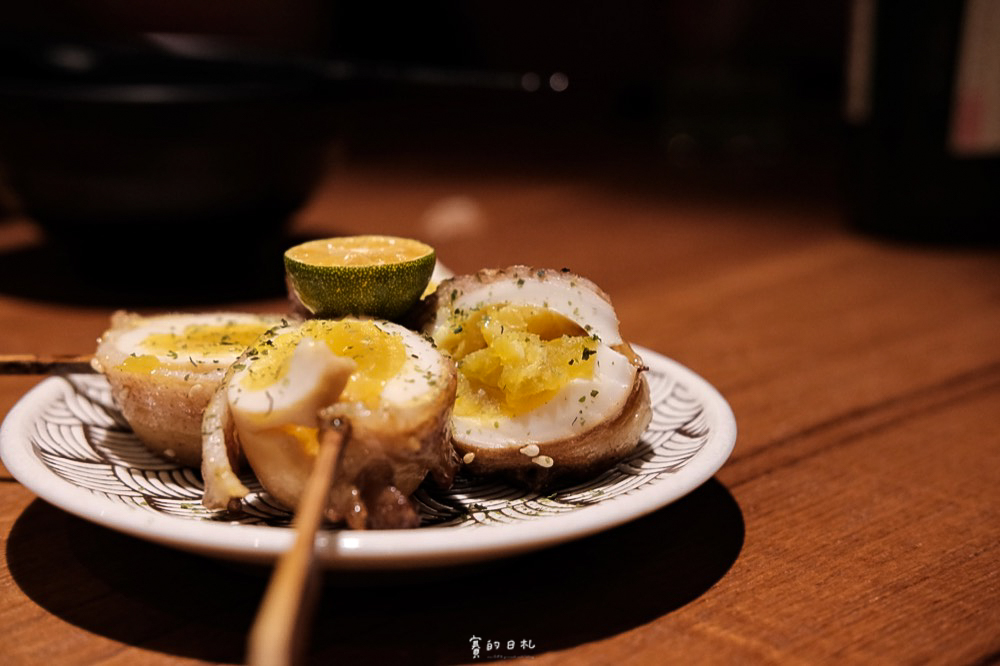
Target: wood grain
858, 520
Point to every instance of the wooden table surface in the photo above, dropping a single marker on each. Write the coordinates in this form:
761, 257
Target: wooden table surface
857, 521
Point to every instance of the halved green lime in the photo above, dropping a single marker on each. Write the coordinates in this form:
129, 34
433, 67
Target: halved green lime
378, 276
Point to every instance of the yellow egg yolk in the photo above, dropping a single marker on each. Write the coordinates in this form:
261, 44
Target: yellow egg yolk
379, 356
205, 340
306, 437
513, 358
143, 364
192, 344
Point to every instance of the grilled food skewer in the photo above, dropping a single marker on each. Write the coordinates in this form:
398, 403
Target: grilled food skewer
278, 635
45, 364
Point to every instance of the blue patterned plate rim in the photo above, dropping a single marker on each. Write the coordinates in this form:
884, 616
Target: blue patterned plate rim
65, 441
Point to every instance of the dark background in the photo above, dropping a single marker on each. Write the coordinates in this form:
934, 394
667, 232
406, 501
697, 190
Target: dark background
723, 91
722, 98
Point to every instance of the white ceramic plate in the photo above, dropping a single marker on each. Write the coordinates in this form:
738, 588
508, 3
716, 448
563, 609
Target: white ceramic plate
65, 441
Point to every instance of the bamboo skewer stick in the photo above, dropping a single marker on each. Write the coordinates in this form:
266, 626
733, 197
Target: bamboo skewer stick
279, 631
45, 364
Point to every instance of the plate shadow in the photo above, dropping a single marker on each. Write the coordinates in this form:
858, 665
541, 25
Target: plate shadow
160, 599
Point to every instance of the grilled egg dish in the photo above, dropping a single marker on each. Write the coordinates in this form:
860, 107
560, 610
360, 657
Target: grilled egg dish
388, 384
163, 369
518, 372
547, 387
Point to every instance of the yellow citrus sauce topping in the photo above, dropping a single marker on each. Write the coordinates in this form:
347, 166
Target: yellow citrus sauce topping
191, 345
514, 358
379, 356
205, 340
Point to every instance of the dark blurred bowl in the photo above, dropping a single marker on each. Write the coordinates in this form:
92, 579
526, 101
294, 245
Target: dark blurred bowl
138, 137
134, 150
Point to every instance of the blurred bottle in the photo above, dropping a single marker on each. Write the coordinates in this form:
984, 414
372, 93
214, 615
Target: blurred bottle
923, 112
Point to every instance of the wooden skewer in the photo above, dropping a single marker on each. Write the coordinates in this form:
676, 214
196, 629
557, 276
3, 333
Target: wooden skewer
279, 631
34, 364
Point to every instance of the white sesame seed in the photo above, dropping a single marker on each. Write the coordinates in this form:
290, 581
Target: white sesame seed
468, 457
531, 450
542, 461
